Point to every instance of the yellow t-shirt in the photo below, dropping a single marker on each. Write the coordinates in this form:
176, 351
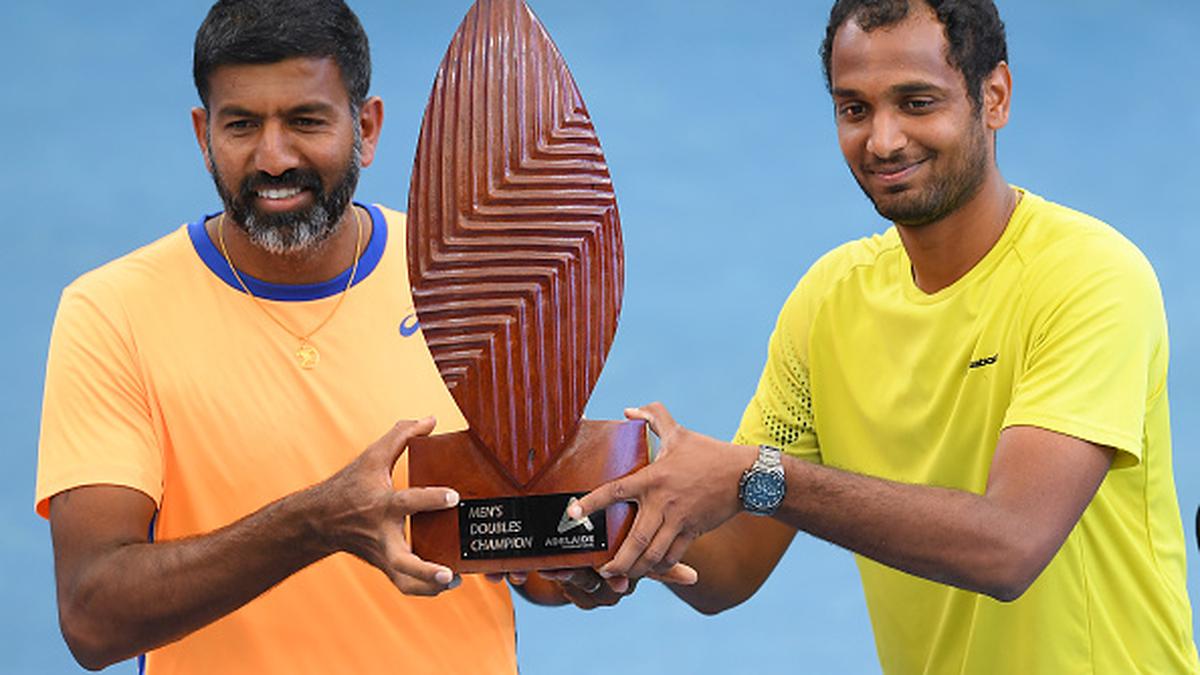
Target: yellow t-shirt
165, 377
1060, 326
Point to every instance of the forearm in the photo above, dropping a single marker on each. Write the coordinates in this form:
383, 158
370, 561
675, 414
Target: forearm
949, 536
540, 591
1039, 484
119, 595
137, 596
733, 561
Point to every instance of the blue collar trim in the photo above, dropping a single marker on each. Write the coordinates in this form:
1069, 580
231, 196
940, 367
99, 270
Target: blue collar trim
216, 263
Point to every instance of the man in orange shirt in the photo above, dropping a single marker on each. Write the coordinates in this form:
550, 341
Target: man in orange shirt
209, 395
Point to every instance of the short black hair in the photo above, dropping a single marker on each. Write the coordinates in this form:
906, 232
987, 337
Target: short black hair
269, 31
974, 33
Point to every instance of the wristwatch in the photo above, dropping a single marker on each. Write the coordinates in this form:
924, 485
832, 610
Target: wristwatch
762, 486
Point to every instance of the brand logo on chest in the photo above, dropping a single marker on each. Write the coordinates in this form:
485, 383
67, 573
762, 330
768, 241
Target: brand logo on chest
986, 361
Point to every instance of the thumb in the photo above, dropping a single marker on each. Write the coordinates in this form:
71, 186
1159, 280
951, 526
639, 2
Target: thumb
395, 441
658, 417
643, 413
680, 574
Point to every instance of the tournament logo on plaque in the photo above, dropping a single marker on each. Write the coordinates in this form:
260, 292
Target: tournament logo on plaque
516, 267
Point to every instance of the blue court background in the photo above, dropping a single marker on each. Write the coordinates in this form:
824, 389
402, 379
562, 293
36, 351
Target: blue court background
720, 140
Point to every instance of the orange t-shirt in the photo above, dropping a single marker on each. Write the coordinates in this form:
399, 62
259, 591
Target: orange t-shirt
165, 377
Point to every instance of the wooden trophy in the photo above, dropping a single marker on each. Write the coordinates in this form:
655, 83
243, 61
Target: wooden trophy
516, 266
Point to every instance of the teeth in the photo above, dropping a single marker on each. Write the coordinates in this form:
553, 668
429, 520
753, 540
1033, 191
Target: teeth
279, 193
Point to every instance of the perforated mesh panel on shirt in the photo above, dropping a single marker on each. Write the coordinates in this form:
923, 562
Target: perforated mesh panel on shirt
781, 412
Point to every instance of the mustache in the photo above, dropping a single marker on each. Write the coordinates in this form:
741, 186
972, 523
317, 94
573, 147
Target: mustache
304, 179
893, 163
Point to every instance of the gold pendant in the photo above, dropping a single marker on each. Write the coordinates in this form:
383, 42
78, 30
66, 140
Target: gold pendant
307, 355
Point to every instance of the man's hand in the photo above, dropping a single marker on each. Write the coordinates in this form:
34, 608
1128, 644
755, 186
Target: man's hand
690, 489
584, 587
364, 514
120, 595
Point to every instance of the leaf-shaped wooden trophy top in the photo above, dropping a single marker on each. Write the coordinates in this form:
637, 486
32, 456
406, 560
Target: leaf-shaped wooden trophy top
514, 242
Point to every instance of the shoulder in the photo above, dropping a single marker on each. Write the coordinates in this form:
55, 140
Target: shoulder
1079, 271
845, 265
859, 255
1059, 242
396, 219
146, 270
1065, 252
99, 314
394, 222
844, 273
391, 213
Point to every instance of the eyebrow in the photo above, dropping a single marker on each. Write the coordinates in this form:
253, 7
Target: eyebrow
234, 111
915, 88
302, 109
904, 88
311, 109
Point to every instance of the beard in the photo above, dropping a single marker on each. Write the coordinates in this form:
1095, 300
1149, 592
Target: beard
297, 231
945, 192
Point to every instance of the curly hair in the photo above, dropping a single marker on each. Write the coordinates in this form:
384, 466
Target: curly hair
269, 31
974, 33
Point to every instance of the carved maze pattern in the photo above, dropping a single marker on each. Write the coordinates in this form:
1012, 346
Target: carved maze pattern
514, 241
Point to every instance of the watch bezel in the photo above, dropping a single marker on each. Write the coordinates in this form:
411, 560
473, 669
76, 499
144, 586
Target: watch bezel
763, 487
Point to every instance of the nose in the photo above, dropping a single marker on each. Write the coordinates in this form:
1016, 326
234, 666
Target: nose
887, 137
275, 152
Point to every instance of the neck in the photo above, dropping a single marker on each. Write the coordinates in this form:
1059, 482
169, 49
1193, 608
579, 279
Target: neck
944, 251
320, 263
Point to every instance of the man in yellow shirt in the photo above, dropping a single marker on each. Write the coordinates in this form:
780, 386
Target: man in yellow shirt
974, 402
208, 398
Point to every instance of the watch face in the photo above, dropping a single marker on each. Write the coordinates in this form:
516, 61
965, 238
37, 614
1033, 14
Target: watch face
763, 491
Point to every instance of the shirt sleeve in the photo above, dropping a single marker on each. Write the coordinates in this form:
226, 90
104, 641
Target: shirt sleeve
1097, 354
780, 413
97, 426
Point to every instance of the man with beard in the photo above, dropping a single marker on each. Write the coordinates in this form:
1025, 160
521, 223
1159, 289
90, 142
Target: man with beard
973, 402
208, 398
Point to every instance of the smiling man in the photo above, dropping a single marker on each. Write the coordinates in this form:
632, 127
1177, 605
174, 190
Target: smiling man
974, 401
209, 398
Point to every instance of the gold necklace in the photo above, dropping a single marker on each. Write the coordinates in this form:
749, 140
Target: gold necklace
306, 354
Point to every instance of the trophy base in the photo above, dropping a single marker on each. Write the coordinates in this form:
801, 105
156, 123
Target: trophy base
499, 528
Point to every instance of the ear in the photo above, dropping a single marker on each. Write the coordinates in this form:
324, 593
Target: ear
370, 120
200, 127
997, 97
